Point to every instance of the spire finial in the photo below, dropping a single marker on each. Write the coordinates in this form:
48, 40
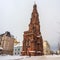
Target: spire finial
34, 4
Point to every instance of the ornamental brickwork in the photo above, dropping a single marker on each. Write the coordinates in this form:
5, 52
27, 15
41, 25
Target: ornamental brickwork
33, 43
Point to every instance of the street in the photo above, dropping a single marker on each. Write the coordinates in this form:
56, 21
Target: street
48, 57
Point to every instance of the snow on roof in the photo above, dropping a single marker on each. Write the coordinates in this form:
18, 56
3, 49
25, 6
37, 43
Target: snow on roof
17, 45
1, 48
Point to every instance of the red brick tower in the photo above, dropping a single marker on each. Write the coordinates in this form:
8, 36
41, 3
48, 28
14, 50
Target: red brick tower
33, 43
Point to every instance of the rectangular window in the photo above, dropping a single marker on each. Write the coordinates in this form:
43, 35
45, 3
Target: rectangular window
18, 49
15, 49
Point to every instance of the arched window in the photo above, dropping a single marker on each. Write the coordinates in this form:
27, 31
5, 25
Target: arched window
28, 43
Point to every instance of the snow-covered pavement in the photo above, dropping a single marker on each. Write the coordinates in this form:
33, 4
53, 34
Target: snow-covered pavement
48, 57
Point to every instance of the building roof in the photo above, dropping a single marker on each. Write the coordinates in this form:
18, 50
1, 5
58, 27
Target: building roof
1, 48
17, 45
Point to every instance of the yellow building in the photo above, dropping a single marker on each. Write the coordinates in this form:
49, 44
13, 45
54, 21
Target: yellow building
16, 42
46, 48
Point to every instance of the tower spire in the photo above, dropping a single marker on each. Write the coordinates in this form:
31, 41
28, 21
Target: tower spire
34, 6
34, 16
33, 43
34, 19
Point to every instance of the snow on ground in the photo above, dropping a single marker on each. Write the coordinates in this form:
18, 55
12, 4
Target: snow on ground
45, 57
15, 57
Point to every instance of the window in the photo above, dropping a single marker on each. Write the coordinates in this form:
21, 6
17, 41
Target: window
18, 49
15, 53
15, 49
18, 52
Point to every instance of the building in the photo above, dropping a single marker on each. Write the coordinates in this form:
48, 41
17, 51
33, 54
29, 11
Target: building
58, 51
16, 42
7, 43
46, 48
1, 50
17, 50
33, 43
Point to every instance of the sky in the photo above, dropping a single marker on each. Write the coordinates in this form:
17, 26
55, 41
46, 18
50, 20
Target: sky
15, 17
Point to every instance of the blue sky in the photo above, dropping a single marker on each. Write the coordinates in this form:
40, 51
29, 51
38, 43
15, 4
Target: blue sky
15, 17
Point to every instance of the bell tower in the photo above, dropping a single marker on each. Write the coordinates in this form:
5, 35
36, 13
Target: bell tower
33, 42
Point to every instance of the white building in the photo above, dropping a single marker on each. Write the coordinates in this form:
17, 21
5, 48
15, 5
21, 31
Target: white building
17, 50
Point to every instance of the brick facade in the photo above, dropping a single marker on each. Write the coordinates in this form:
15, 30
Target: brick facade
33, 43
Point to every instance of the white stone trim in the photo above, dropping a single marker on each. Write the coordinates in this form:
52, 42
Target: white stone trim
38, 51
31, 51
39, 36
28, 33
23, 51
